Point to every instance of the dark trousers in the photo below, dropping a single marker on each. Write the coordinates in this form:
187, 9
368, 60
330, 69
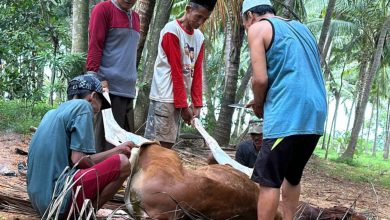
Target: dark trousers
122, 109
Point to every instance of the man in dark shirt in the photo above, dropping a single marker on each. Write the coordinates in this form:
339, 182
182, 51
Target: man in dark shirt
248, 150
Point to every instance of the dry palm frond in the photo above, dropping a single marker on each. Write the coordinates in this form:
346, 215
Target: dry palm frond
15, 205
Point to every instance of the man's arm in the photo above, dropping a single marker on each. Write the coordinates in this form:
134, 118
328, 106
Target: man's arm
98, 28
196, 88
87, 161
259, 36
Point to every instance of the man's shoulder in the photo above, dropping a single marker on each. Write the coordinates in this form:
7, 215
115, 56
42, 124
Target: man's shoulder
244, 144
76, 106
171, 25
105, 6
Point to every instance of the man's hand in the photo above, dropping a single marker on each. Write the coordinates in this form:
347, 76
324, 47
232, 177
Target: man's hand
196, 111
186, 115
105, 85
257, 108
125, 148
250, 104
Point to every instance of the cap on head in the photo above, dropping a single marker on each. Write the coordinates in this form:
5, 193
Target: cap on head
88, 82
248, 4
255, 125
255, 129
209, 4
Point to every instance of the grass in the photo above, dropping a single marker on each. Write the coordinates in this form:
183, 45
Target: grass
363, 168
18, 116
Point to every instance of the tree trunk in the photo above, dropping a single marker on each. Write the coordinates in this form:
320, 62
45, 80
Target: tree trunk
234, 38
369, 130
376, 124
323, 146
333, 124
350, 113
366, 90
328, 42
145, 10
286, 13
80, 17
160, 18
337, 95
326, 27
244, 84
387, 136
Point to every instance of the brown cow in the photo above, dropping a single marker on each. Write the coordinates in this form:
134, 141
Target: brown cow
161, 188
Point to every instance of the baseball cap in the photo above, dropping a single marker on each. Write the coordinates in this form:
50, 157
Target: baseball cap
248, 4
255, 129
87, 82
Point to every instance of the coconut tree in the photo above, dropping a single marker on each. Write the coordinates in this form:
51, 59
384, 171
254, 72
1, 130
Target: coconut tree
387, 133
145, 10
362, 102
325, 31
234, 37
80, 15
160, 18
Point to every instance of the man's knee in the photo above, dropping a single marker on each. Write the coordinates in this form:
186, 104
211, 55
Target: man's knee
125, 167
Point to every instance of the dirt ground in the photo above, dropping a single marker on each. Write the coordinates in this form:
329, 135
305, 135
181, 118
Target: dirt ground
318, 188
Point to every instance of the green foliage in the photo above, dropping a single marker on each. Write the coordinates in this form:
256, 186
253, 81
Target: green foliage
363, 168
20, 115
178, 9
35, 37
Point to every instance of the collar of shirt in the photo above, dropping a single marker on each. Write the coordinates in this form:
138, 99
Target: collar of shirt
129, 12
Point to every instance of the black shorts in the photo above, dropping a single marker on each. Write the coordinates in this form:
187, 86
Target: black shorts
281, 158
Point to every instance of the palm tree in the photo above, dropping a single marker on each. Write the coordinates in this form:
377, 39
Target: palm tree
366, 89
80, 26
387, 133
145, 10
234, 37
160, 18
325, 28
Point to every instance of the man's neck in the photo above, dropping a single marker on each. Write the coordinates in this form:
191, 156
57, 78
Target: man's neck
120, 6
268, 15
184, 23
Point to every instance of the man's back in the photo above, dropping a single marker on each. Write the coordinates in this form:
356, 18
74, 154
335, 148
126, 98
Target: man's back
68, 127
295, 82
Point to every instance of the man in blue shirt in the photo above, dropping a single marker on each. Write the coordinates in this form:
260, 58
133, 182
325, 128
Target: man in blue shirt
289, 92
62, 152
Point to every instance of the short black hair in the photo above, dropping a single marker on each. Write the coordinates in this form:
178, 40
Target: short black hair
82, 94
197, 6
208, 4
260, 10
194, 5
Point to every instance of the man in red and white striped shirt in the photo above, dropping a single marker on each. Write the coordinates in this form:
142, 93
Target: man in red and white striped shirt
177, 74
